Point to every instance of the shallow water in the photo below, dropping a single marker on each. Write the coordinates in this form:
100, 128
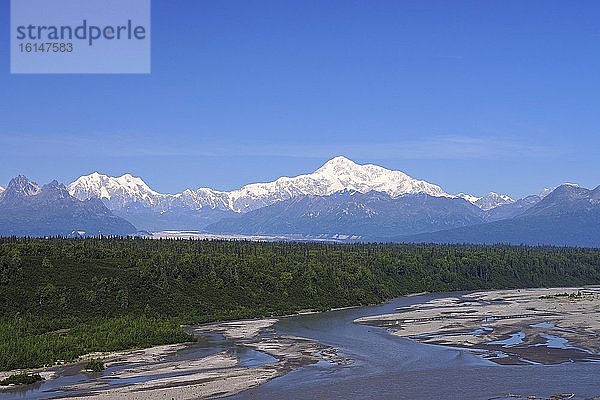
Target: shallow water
513, 340
206, 345
390, 367
384, 366
543, 325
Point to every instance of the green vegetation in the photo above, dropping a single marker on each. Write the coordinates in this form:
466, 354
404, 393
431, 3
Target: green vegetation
571, 296
21, 379
61, 298
35, 341
95, 365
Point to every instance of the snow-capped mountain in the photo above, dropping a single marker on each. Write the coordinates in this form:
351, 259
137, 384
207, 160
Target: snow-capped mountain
131, 197
362, 202
487, 202
492, 200
115, 192
335, 175
26, 209
127, 191
201, 198
20, 187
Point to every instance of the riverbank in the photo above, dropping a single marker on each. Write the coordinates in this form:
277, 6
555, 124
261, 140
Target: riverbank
154, 374
133, 356
521, 326
67, 297
239, 357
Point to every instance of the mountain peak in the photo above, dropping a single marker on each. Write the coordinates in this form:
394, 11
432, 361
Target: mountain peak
487, 202
566, 192
343, 173
569, 188
55, 190
492, 200
545, 192
21, 186
339, 173
31, 210
124, 189
337, 163
134, 183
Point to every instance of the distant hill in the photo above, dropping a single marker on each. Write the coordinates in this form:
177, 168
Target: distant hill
569, 216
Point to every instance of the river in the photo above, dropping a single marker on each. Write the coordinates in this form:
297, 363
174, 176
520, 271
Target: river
383, 366
389, 367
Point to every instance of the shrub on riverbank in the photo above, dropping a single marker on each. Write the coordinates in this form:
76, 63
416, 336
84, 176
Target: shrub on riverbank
21, 379
35, 342
94, 365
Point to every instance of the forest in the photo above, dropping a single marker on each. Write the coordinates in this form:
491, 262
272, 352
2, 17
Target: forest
62, 298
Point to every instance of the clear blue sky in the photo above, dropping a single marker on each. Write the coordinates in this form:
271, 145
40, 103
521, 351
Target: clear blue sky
471, 95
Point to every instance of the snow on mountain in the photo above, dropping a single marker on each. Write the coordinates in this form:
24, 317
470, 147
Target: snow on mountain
128, 190
26, 209
545, 192
1, 190
468, 197
487, 202
493, 200
343, 173
201, 198
336, 175
21, 187
116, 192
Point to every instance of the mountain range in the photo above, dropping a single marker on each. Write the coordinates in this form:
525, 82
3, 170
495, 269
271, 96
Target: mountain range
369, 216
131, 198
336, 175
340, 200
28, 209
568, 216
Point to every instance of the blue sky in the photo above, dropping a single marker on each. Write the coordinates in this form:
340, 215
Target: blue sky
471, 95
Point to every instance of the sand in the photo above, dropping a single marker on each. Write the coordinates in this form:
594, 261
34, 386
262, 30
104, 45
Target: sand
238, 330
109, 358
546, 326
217, 375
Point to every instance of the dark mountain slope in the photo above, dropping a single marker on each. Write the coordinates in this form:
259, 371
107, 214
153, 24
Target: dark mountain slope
26, 209
372, 216
569, 216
